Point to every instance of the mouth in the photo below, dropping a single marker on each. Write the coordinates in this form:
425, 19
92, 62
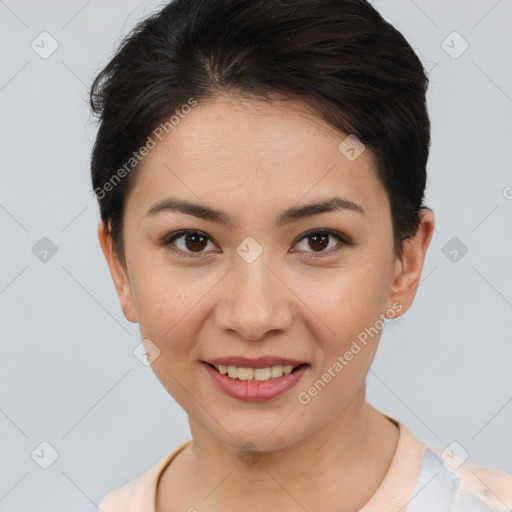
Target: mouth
265, 374
257, 384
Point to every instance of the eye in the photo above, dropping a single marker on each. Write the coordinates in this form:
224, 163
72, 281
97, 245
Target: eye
319, 241
189, 239
191, 243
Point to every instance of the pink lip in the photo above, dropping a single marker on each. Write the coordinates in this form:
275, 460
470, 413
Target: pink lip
260, 362
254, 391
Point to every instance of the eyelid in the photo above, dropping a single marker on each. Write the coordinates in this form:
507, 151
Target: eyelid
326, 231
167, 241
344, 240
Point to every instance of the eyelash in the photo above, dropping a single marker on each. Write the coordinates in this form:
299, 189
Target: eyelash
168, 240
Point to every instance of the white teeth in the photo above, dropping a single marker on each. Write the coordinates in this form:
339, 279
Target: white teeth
259, 374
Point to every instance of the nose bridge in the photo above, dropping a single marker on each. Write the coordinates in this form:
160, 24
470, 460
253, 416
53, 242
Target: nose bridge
255, 299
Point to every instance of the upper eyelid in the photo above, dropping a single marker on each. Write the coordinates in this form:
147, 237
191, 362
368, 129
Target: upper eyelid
326, 231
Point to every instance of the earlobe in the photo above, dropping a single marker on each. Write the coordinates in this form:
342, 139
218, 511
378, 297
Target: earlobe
118, 273
408, 269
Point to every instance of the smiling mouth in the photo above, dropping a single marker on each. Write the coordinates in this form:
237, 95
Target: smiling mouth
256, 374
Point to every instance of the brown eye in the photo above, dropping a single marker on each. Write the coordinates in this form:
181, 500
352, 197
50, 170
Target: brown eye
194, 242
319, 240
190, 243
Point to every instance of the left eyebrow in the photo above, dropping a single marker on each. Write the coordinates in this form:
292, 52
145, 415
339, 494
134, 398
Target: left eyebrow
287, 217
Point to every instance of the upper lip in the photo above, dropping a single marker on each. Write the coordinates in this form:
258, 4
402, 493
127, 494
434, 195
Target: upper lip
259, 362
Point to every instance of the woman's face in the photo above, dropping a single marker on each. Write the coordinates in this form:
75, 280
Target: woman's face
254, 287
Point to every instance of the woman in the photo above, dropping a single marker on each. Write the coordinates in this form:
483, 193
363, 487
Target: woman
260, 169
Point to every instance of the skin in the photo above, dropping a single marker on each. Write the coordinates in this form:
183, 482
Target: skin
254, 159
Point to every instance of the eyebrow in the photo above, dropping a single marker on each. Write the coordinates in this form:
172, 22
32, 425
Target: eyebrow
287, 217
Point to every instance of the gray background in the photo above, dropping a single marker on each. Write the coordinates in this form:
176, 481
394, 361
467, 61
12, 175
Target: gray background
68, 373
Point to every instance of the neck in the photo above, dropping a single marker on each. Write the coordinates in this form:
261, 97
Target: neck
346, 459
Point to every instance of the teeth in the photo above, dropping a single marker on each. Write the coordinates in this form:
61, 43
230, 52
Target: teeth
259, 374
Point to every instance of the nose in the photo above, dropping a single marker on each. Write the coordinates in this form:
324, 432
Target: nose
255, 302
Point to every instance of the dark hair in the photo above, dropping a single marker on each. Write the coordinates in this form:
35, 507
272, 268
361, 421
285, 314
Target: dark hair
340, 56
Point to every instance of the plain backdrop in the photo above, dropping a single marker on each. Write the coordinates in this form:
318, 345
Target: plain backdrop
69, 377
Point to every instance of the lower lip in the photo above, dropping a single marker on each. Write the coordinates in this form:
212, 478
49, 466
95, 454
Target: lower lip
255, 391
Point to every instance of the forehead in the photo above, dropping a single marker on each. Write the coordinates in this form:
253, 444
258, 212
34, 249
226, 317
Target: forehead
274, 153
231, 128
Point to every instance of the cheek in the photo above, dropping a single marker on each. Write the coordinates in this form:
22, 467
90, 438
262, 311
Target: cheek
348, 302
333, 386
170, 301
347, 339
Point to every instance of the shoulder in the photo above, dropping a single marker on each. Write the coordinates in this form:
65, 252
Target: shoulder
116, 500
467, 487
138, 494
124, 498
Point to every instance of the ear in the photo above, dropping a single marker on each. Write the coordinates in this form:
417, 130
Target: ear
118, 272
407, 272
